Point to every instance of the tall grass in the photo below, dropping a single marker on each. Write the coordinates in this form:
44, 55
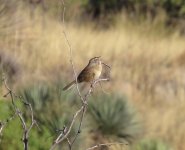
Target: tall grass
144, 65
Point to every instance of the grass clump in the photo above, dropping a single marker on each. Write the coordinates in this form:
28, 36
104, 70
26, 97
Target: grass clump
52, 108
113, 116
48, 102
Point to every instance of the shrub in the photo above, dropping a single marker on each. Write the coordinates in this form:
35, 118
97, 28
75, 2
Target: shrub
100, 7
174, 8
47, 101
113, 116
52, 108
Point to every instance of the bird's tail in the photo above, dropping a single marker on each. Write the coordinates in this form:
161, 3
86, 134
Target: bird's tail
70, 85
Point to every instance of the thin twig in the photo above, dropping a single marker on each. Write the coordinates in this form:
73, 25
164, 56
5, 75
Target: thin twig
26, 129
4, 123
106, 65
1, 127
70, 51
85, 108
106, 144
64, 135
80, 125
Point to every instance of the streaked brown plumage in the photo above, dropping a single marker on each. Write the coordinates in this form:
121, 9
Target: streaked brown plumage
90, 73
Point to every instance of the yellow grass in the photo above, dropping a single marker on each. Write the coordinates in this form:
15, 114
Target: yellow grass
144, 66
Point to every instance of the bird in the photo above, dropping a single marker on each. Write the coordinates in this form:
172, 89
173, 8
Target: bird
89, 74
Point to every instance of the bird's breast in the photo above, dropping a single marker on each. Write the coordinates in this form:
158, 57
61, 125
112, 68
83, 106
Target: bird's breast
97, 71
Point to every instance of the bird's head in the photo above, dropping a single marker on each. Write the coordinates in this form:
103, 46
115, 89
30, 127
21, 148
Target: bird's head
95, 61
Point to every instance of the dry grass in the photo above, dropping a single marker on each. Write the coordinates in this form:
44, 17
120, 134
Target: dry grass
143, 66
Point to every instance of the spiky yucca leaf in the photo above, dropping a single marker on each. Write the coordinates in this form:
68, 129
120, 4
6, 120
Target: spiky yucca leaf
51, 106
113, 116
37, 95
46, 101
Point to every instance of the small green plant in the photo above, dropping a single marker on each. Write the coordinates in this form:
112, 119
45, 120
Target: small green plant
47, 101
52, 107
38, 95
12, 132
151, 144
113, 116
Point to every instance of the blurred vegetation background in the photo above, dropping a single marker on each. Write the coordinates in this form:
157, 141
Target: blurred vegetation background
142, 40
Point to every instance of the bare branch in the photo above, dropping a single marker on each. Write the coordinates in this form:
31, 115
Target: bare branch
19, 113
1, 127
70, 51
64, 134
79, 128
106, 144
69, 143
106, 65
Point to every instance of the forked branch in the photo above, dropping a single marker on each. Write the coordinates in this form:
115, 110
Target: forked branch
19, 113
65, 133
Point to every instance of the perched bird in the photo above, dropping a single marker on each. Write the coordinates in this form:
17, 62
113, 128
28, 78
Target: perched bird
90, 73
